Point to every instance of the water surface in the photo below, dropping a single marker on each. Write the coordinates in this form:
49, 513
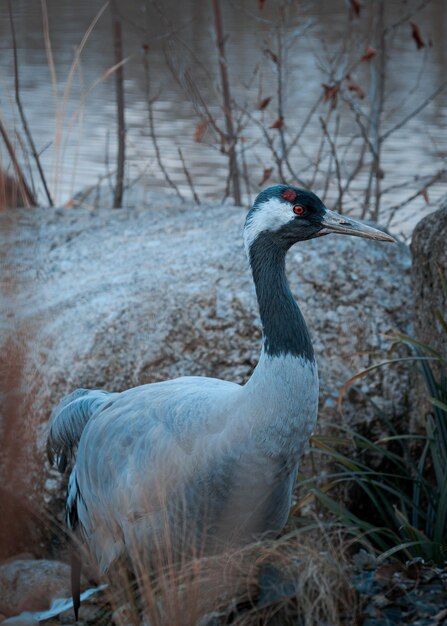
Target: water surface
75, 126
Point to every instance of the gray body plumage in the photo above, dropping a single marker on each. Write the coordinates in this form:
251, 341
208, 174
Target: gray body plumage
212, 460
201, 462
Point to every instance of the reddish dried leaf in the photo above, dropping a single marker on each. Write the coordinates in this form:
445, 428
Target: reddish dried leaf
145, 47
69, 205
416, 34
264, 103
386, 572
370, 53
200, 131
424, 194
266, 175
272, 55
331, 93
261, 4
355, 7
413, 570
355, 87
279, 123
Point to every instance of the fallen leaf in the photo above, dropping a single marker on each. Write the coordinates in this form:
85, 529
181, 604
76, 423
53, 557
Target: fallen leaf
69, 205
264, 103
145, 47
416, 34
424, 194
200, 131
272, 55
355, 87
331, 93
370, 53
279, 123
355, 8
261, 4
385, 572
266, 175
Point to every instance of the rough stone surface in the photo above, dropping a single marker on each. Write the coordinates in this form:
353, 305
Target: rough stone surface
429, 251
25, 619
117, 298
31, 585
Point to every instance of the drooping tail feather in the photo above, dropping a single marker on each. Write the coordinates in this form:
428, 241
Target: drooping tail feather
68, 420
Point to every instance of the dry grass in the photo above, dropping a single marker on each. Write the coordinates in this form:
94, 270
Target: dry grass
11, 195
297, 579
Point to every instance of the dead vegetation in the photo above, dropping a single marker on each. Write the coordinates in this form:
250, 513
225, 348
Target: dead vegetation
301, 579
253, 124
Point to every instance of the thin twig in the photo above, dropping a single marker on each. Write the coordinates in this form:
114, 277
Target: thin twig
187, 83
245, 176
79, 198
75, 65
150, 112
305, 123
406, 17
173, 32
52, 68
108, 174
336, 160
121, 124
280, 87
227, 104
319, 158
21, 110
77, 147
415, 111
354, 173
25, 153
393, 209
26, 192
188, 178
379, 66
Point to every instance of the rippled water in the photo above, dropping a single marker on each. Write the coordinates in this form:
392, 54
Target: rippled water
75, 126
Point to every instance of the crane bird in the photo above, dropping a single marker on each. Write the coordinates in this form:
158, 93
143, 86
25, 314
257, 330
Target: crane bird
212, 456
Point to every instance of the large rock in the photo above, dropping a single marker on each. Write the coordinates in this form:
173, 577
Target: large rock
32, 585
117, 298
429, 272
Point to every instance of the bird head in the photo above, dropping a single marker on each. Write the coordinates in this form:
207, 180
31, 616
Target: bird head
289, 215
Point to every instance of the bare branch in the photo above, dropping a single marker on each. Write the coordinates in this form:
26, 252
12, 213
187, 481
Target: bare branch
188, 178
21, 110
336, 160
227, 104
415, 111
406, 17
426, 184
26, 192
189, 86
121, 123
150, 111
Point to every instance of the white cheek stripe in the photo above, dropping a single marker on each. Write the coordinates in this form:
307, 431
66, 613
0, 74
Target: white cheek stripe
270, 215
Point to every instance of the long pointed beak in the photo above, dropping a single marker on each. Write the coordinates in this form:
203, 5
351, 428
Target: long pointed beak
335, 223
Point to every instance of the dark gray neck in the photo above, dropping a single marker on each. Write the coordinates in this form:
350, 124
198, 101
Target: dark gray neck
284, 328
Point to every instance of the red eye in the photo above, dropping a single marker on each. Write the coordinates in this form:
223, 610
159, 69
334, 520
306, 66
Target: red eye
298, 209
